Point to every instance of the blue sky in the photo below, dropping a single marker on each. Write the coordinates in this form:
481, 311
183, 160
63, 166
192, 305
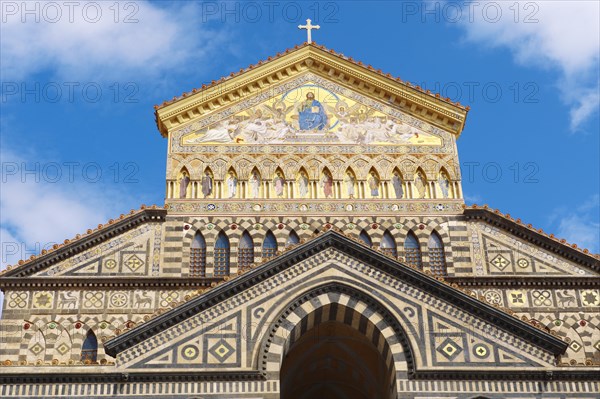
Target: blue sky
79, 144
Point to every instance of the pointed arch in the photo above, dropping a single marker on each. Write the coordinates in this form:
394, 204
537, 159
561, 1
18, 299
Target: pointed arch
221, 255
388, 244
63, 346
269, 246
279, 182
255, 184
89, 348
421, 185
198, 256
293, 239
231, 182
184, 180
397, 182
301, 315
326, 184
350, 184
207, 183
412, 250
437, 258
364, 236
36, 348
445, 184
245, 250
374, 183
303, 189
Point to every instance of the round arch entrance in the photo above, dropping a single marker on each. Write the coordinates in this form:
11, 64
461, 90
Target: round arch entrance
334, 360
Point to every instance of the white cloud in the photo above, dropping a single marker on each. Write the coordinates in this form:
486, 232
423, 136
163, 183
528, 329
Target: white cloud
165, 36
580, 225
556, 35
35, 215
473, 198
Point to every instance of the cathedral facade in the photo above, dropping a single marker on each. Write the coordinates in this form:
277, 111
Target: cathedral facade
314, 242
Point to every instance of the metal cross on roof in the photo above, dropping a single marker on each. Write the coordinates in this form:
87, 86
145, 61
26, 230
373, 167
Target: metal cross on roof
309, 28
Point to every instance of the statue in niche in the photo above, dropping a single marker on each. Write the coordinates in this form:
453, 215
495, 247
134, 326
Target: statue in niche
349, 180
255, 183
303, 184
279, 184
374, 185
183, 185
207, 184
311, 114
397, 184
444, 183
327, 184
421, 185
232, 182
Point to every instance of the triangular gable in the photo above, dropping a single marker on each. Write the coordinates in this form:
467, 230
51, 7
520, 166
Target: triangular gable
458, 330
126, 246
511, 247
261, 78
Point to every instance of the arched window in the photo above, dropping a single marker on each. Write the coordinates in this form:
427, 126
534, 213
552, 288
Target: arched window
269, 247
437, 259
198, 256
221, 255
245, 250
293, 239
412, 250
89, 349
388, 244
364, 236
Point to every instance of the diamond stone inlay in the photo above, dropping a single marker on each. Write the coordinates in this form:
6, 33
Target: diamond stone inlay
36, 349
63, 348
449, 349
221, 350
500, 262
134, 263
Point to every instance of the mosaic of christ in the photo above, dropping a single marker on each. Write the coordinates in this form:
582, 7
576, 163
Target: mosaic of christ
311, 114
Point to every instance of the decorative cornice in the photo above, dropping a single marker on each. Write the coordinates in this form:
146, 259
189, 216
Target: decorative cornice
524, 281
82, 242
537, 237
115, 282
319, 60
66, 375
463, 299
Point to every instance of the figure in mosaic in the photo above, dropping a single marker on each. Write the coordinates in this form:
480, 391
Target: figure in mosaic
327, 184
374, 185
349, 181
397, 184
183, 185
311, 114
232, 183
303, 184
255, 184
279, 184
444, 184
207, 184
421, 185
